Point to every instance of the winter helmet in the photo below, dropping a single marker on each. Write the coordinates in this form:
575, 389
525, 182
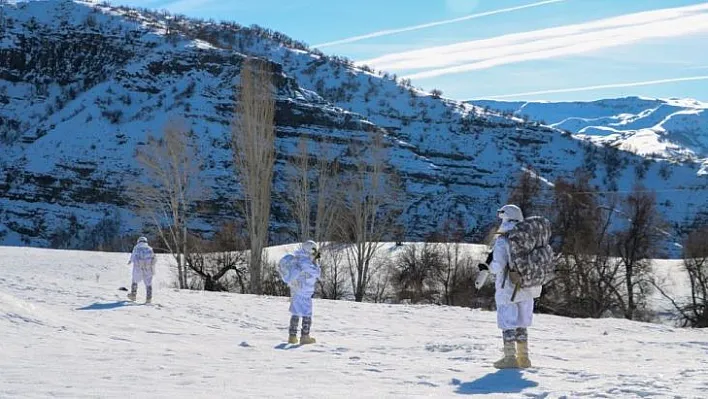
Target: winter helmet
510, 213
310, 248
142, 239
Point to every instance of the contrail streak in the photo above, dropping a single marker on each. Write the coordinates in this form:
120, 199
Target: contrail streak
561, 41
606, 86
432, 24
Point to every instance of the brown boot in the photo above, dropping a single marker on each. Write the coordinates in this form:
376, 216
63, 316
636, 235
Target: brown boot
306, 339
509, 359
523, 354
133, 292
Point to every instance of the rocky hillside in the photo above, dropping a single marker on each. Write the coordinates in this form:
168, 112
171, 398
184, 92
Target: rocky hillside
82, 84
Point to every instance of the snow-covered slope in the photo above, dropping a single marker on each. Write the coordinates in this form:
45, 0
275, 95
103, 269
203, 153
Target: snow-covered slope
67, 332
82, 84
661, 128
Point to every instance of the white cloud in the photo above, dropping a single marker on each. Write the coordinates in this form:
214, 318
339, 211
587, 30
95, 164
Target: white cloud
431, 24
547, 43
602, 87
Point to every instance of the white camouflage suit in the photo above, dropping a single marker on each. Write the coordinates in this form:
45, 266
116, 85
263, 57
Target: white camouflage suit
513, 317
302, 287
143, 260
304, 275
519, 313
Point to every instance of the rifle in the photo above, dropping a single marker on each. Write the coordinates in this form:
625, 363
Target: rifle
506, 274
516, 289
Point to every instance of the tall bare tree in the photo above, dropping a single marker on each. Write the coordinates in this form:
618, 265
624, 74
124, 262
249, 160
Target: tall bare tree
328, 200
253, 142
365, 219
315, 201
299, 189
171, 188
314, 191
327, 206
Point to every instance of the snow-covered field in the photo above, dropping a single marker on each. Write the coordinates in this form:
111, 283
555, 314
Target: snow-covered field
66, 331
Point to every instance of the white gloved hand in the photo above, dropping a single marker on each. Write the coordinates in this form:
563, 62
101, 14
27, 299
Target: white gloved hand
481, 279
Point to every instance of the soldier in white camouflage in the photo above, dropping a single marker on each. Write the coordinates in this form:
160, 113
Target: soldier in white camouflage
514, 300
143, 260
300, 271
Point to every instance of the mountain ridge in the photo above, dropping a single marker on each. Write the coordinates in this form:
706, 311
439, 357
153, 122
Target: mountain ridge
672, 129
72, 120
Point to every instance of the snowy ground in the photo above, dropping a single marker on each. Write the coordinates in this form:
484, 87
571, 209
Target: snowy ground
65, 331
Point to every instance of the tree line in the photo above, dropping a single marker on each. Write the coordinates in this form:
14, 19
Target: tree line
605, 242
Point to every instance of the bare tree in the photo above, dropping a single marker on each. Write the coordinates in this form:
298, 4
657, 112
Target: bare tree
332, 284
364, 220
454, 263
273, 285
379, 286
299, 189
588, 282
637, 246
526, 191
314, 200
693, 310
328, 201
415, 270
172, 186
253, 142
212, 260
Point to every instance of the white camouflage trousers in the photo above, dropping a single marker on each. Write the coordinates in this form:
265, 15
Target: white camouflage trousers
515, 315
144, 274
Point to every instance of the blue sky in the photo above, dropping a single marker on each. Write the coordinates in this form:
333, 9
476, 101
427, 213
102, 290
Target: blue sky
508, 49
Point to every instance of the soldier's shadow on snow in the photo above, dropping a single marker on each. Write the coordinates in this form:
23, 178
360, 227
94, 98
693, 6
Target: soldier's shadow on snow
287, 346
106, 306
503, 381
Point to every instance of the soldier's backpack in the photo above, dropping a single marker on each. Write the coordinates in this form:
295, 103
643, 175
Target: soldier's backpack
144, 256
288, 268
531, 256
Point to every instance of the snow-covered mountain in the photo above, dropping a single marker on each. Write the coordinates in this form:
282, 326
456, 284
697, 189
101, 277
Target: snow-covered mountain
673, 129
83, 83
74, 335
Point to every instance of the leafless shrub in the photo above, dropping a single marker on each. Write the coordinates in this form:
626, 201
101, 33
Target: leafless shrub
220, 264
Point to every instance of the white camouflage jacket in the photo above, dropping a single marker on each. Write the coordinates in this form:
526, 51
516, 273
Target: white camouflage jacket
142, 256
307, 275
